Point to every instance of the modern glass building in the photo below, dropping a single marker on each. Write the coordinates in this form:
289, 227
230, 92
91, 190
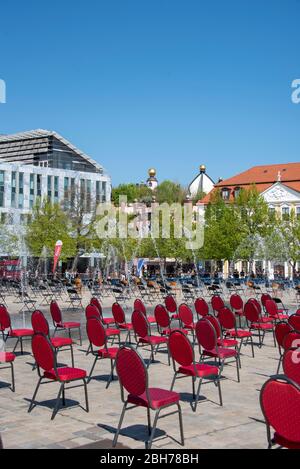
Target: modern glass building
42, 163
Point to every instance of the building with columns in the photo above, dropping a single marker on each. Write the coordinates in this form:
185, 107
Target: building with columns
41, 163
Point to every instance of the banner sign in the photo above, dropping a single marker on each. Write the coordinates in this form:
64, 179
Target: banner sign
57, 251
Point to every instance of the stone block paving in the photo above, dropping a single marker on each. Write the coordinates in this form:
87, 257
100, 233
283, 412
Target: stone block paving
238, 424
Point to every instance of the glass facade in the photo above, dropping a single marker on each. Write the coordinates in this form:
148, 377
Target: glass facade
13, 189
1, 188
31, 191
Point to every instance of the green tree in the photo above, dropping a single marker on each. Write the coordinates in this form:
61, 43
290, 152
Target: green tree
169, 192
47, 225
139, 192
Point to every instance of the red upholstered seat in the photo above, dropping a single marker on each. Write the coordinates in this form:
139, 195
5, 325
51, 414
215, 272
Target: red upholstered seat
110, 332
282, 317
151, 319
159, 398
66, 374
265, 327
239, 333
69, 325
268, 319
153, 339
127, 326
108, 321
61, 341
168, 331
21, 333
202, 370
110, 352
227, 342
6, 357
175, 316
220, 353
279, 440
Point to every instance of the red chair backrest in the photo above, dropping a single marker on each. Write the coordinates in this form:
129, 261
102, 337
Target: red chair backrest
95, 332
131, 371
256, 303
43, 352
140, 324
206, 334
215, 323
217, 303
298, 312
5, 322
161, 316
291, 340
226, 319
185, 315
92, 311
118, 313
251, 312
271, 307
139, 306
55, 312
291, 365
281, 330
280, 403
180, 348
201, 307
94, 301
39, 323
294, 321
264, 298
236, 302
170, 304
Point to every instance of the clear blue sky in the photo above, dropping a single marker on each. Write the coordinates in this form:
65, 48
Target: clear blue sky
164, 83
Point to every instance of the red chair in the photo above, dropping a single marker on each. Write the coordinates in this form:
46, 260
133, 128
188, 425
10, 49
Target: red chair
273, 312
58, 321
186, 318
227, 321
201, 307
9, 333
237, 306
171, 306
291, 340
282, 329
264, 298
40, 325
222, 342
142, 331
294, 321
97, 336
47, 368
298, 312
139, 306
291, 364
106, 321
8, 357
91, 311
163, 320
120, 320
280, 404
133, 378
217, 304
182, 353
208, 345
257, 323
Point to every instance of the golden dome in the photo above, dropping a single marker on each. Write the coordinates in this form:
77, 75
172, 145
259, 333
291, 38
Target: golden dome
152, 172
202, 168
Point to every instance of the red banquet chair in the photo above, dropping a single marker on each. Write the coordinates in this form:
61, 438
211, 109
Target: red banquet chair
217, 304
291, 364
139, 306
280, 404
142, 332
186, 318
59, 324
294, 321
208, 346
227, 321
282, 329
9, 333
45, 358
120, 320
257, 323
171, 306
201, 307
91, 311
264, 298
106, 321
40, 325
133, 378
237, 306
291, 340
97, 336
163, 320
273, 312
7, 359
182, 353
222, 342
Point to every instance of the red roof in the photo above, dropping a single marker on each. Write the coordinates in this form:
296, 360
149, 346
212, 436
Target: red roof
263, 177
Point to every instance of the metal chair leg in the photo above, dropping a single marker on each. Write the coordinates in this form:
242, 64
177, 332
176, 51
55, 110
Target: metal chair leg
197, 396
119, 425
86, 395
149, 442
173, 381
55, 410
12, 377
220, 392
149, 421
34, 395
92, 369
72, 355
180, 424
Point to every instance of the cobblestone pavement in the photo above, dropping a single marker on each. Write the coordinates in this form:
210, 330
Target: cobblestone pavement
239, 424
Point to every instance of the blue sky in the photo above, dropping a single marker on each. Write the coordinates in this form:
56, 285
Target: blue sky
164, 83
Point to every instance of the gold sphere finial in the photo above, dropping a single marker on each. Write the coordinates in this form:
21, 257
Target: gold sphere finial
152, 172
202, 168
